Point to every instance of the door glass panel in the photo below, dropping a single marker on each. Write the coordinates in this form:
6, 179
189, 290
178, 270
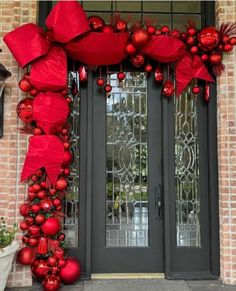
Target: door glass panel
126, 160
187, 171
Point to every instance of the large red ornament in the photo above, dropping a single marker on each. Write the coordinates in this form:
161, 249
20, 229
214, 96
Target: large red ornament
96, 23
67, 158
137, 60
140, 37
25, 209
51, 283
168, 88
71, 271
24, 110
208, 38
26, 256
40, 268
51, 226
61, 184
120, 25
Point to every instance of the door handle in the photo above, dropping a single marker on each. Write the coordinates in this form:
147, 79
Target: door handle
158, 202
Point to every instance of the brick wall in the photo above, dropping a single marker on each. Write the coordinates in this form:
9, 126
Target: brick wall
13, 144
226, 11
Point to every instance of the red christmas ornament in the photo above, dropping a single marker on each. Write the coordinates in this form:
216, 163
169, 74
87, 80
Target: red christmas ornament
148, 68
25, 85
183, 35
32, 196
34, 230
165, 29
192, 31
208, 38
66, 145
33, 241
158, 74
25, 209
61, 263
40, 268
52, 192
29, 220
51, 261
168, 88
25, 239
190, 40
83, 74
27, 75
121, 76
24, 110
40, 219
67, 158
42, 248
51, 283
204, 57
158, 32
71, 271
46, 205
120, 25
61, 237
36, 188
96, 23
24, 225
151, 29
130, 49
194, 49
51, 226
137, 60
225, 38
56, 202
175, 33
107, 88
26, 256
196, 89
33, 92
215, 58
41, 194
35, 208
61, 184
140, 37
107, 29
54, 269
227, 48
232, 40
37, 131
66, 172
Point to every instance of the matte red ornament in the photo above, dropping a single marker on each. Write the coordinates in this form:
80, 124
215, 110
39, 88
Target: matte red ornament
46, 205
130, 49
40, 268
215, 58
121, 76
71, 271
100, 82
227, 48
168, 88
83, 74
26, 256
107, 88
25, 209
24, 225
148, 68
35, 208
208, 38
137, 60
61, 184
107, 29
196, 89
40, 219
140, 37
96, 23
24, 110
42, 248
34, 230
120, 25
51, 283
25, 85
51, 226
159, 75
151, 29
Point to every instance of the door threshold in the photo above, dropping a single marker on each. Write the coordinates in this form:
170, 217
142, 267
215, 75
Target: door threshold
108, 276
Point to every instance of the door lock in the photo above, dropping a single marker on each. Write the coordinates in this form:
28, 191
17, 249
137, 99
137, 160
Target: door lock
158, 202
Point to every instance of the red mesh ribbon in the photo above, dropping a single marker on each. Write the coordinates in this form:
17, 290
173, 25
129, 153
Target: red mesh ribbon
165, 49
187, 68
50, 111
27, 43
44, 151
98, 48
49, 73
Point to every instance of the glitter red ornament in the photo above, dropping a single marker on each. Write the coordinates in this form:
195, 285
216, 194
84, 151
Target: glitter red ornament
46, 205
140, 37
121, 76
42, 248
168, 88
107, 88
51, 283
158, 74
24, 110
96, 23
120, 25
137, 60
208, 38
40, 268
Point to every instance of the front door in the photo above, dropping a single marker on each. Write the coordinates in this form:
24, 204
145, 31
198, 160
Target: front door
127, 202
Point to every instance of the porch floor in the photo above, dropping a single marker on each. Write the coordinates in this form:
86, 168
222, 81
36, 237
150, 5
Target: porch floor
141, 285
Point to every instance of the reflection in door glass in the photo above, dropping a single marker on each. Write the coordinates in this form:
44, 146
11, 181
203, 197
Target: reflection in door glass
187, 171
126, 160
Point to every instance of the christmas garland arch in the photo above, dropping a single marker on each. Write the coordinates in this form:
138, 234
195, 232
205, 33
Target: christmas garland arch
89, 41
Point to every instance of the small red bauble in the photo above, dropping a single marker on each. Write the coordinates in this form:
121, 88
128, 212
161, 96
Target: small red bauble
66, 145
35, 208
29, 220
61, 263
120, 25
51, 261
51, 226
151, 29
107, 88
137, 60
32, 196
107, 29
96, 23
25, 209
56, 202
158, 75
183, 35
121, 76
158, 32
68, 100
59, 253
43, 185
46, 205
41, 194
36, 188
26, 256
67, 158
61, 184
194, 49
83, 74
165, 29
54, 269
100, 82
51, 283
40, 268
52, 191
40, 219
66, 172
208, 38
34, 178
196, 89
27, 75
192, 31
24, 225
25, 85
168, 88
148, 68
64, 131
37, 131
130, 49
34, 230
25, 239
225, 38
190, 40
71, 271
227, 47
215, 58
24, 110
33, 241
140, 37
33, 92
204, 57
175, 33
232, 41
59, 208
61, 237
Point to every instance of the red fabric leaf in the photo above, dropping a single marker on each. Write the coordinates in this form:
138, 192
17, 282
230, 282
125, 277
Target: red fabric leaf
27, 43
187, 68
67, 20
44, 151
49, 73
99, 48
164, 49
50, 111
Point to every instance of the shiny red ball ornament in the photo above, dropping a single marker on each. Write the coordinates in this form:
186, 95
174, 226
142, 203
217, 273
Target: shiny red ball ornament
190, 40
183, 35
165, 29
140, 37
41, 194
33, 241
52, 191
56, 202
25, 85
37, 131
36, 188
137, 60
46, 205
24, 110
227, 48
67, 158
107, 29
121, 76
158, 75
61, 184
96, 23
151, 29
33, 92
35, 208
107, 88
194, 49
168, 88
24, 225
192, 31
25, 256
34, 230
51, 226
208, 38
29, 220
40, 219
25, 239
32, 196
100, 82
232, 40
40, 268
66, 172
61, 263
51, 283
130, 49
42, 248
71, 271
83, 74
196, 89
66, 145
175, 33
225, 38
148, 68
25, 209
120, 25
51, 261
215, 58
204, 57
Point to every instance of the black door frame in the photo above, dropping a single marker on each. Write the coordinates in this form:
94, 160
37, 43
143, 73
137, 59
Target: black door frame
208, 18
